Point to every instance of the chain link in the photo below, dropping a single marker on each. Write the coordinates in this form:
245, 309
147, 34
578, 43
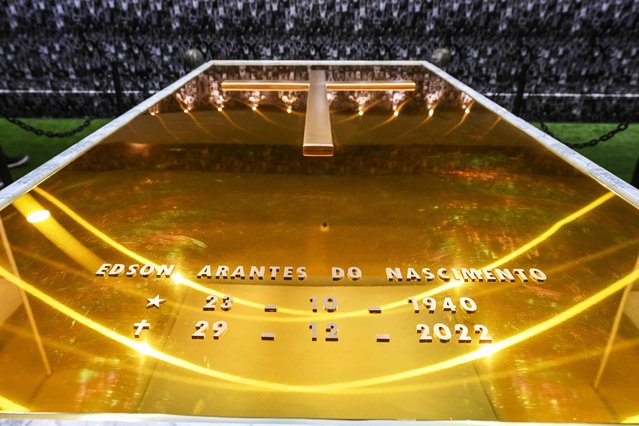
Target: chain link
606, 136
48, 134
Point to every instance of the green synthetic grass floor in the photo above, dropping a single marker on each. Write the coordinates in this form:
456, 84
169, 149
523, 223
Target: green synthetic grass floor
618, 155
15, 141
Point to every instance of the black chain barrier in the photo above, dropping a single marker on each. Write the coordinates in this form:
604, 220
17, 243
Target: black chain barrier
48, 134
606, 136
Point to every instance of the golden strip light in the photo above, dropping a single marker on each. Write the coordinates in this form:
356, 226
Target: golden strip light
363, 312
333, 86
485, 351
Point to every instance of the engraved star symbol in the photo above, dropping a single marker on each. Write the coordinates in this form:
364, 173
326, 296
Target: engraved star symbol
155, 301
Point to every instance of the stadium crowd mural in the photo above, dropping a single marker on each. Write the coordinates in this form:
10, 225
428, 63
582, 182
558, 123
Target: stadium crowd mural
580, 58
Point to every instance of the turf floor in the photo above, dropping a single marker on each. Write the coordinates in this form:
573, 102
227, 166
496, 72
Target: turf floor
618, 155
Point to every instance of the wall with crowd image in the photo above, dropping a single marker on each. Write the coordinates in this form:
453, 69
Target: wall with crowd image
576, 60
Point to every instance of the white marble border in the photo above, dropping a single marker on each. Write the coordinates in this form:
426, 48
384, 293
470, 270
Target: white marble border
114, 419
39, 175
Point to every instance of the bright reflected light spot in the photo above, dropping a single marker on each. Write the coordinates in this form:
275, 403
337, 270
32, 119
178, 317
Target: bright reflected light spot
8, 405
152, 113
219, 109
254, 107
431, 112
467, 110
38, 216
186, 111
396, 113
487, 351
289, 110
361, 112
178, 278
633, 419
144, 348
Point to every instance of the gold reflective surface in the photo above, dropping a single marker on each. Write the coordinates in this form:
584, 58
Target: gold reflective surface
424, 179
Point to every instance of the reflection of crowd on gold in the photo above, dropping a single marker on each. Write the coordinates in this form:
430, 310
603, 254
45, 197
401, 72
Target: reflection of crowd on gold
60, 58
450, 161
205, 92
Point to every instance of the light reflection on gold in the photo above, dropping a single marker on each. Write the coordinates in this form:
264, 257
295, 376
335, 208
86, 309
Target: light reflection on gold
485, 351
491, 128
8, 405
166, 128
633, 419
59, 236
363, 312
38, 216
231, 122
199, 126
431, 385
461, 121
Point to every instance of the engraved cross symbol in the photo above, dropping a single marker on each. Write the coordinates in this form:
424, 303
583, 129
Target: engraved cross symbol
139, 326
318, 139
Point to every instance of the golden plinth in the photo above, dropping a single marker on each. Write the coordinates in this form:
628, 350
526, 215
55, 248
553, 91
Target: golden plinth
446, 263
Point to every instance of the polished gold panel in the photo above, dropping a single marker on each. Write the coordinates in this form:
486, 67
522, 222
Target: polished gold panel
442, 264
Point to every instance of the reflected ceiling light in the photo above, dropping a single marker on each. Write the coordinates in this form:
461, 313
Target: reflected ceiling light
361, 112
219, 109
396, 113
289, 110
186, 111
178, 278
144, 348
431, 112
155, 109
467, 110
38, 216
254, 107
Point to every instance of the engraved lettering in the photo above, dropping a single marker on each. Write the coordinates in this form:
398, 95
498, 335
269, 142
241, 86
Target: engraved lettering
472, 274
222, 272
522, 276
537, 275
394, 274
428, 276
288, 273
238, 273
354, 273
165, 270
337, 273
132, 270
103, 270
146, 270
301, 273
489, 275
412, 275
456, 274
504, 275
205, 272
442, 274
257, 272
274, 270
